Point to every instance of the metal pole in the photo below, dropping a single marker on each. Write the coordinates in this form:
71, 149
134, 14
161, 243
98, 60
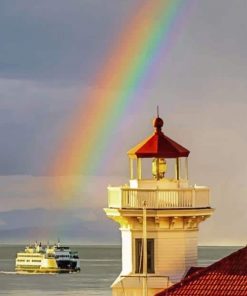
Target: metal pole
139, 168
144, 292
131, 169
187, 168
157, 169
177, 168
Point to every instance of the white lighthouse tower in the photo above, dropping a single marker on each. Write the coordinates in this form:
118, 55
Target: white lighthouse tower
159, 216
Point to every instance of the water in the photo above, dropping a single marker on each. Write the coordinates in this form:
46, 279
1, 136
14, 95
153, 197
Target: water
100, 265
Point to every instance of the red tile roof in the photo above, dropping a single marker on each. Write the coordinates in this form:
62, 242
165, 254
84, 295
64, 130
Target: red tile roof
158, 145
227, 277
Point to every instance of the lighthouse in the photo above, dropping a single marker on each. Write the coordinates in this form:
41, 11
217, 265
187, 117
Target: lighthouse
159, 213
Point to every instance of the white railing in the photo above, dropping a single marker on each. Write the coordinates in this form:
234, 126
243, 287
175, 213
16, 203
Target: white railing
124, 198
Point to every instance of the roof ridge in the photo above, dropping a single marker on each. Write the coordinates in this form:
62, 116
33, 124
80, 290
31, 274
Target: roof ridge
139, 145
174, 143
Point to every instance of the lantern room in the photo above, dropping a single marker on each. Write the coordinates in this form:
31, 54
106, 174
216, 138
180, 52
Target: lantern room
164, 159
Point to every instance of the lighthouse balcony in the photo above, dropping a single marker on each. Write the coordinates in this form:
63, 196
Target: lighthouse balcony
128, 198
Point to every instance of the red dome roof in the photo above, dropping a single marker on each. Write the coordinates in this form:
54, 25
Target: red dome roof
158, 145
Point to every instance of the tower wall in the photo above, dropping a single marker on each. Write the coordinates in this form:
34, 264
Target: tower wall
127, 251
175, 245
176, 252
175, 235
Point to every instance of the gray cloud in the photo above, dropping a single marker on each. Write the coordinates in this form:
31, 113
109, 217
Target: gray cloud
57, 40
50, 51
32, 118
44, 43
80, 226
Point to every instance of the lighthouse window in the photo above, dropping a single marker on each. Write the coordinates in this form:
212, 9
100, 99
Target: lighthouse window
139, 255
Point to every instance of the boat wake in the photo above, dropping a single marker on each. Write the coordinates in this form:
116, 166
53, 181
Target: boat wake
25, 273
7, 272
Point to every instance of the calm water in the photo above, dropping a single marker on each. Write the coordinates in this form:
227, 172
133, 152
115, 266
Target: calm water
100, 265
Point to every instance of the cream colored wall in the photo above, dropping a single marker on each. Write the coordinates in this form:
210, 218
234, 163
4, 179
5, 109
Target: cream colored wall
133, 286
175, 251
161, 184
134, 291
126, 251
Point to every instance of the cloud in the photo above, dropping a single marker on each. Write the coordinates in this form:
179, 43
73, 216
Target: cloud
2, 223
50, 52
32, 117
51, 49
57, 40
23, 226
28, 192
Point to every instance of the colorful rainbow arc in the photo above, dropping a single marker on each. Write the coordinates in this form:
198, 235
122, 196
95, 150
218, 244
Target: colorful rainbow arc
148, 34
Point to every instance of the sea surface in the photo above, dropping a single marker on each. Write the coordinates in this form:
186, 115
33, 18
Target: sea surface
100, 265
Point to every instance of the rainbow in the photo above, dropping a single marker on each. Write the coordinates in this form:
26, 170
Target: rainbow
148, 36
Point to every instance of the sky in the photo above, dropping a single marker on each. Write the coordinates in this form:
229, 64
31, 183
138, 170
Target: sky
50, 54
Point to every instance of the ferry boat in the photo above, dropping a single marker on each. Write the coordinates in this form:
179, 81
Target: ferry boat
65, 258
47, 259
